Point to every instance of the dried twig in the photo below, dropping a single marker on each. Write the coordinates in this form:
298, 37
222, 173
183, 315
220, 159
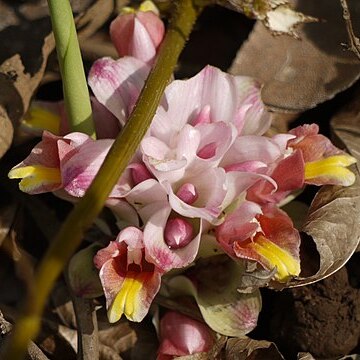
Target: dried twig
354, 45
87, 325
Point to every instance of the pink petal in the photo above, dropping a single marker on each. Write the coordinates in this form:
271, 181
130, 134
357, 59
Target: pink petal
153, 25
125, 214
238, 182
247, 166
106, 254
216, 139
252, 148
210, 186
239, 225
107, 126
252, 117
286, 181
185, 99
117, 84
147, 192
41, 170
313, 145
79, 171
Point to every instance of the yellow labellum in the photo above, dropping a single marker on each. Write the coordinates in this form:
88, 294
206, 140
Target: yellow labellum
34, 176
126, 300
148, 6
333, 167
41, 119
144, 6
286, 265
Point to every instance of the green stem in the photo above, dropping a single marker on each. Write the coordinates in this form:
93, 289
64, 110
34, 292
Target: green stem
85, 211
76, 93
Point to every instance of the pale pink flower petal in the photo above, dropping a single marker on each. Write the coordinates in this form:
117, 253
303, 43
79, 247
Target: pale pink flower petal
237, 183
125, 214
252, 148
147, 192
117, 84
79, 171
170, 161
210, 187
185, 100
217, 138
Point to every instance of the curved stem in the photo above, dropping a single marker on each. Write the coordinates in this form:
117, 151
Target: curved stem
85, 211
76, 93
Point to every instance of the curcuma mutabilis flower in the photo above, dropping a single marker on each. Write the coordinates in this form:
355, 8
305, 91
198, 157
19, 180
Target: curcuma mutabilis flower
204, 170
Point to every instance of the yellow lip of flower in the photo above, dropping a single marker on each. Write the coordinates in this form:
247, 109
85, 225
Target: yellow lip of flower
333, 167
127, 300
34, 176
38, 118
144, 6
286, 265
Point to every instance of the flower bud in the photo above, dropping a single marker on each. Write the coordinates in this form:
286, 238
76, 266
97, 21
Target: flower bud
187, 193
139, 173
178, 233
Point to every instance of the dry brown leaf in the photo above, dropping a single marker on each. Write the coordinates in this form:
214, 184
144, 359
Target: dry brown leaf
7, 132
298, 75
18, 83
246, 348
57, 341
333, 223
94, 18
120, 336
346, 127
334, 216
305, 356
278, 16
26, 42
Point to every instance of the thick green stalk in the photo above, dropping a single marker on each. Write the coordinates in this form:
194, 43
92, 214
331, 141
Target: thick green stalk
85, 211
76, 93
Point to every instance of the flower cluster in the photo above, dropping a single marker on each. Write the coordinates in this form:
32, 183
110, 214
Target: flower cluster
204, 171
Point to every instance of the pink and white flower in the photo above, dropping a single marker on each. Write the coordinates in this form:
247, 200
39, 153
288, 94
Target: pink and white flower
204, 167
129, 281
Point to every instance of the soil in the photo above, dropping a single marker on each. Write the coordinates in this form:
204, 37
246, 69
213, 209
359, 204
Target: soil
322, 319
